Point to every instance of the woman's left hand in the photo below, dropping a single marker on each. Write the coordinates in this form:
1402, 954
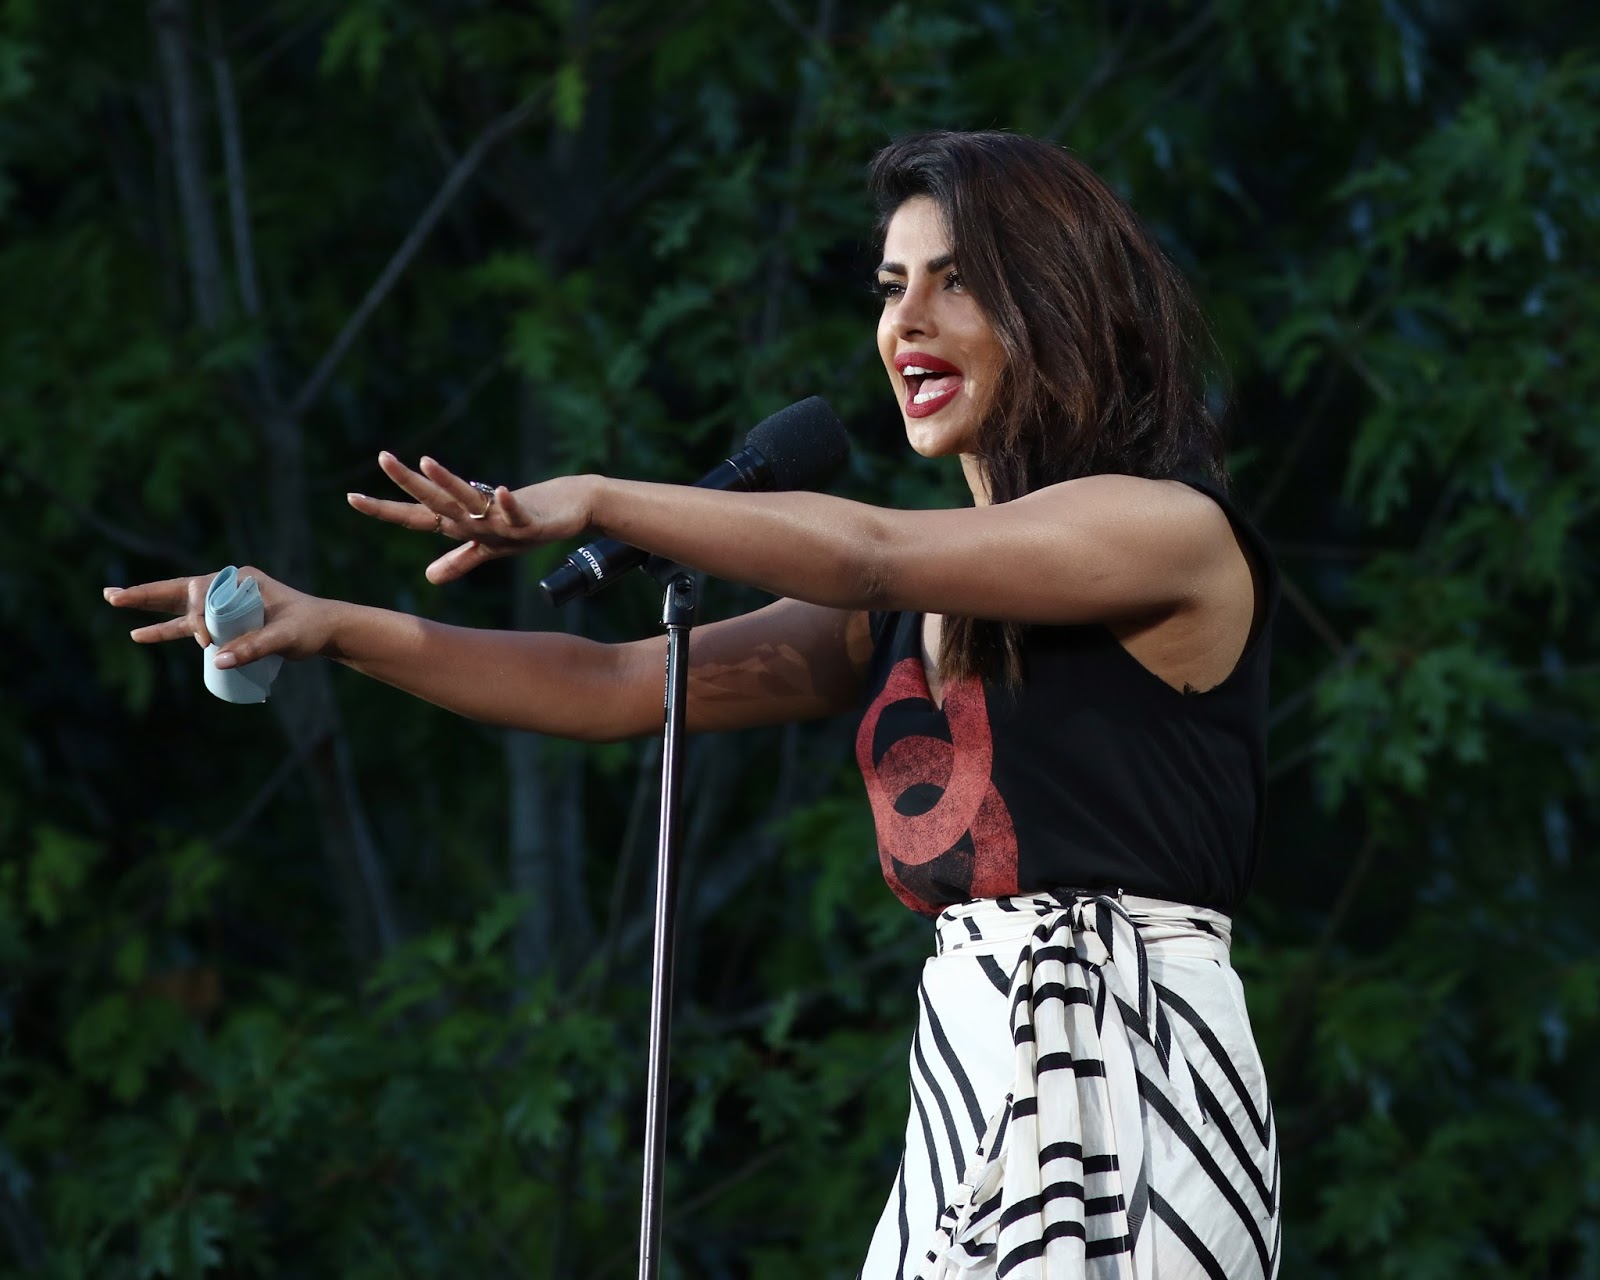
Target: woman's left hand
489, 525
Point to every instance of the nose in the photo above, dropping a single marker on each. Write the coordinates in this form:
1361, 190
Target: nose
913, 314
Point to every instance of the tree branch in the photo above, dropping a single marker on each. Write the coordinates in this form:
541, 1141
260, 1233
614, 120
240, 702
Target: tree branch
136, 543
1136, 120
1293, 760
233, 164
279, 44
1300, 1002
501, 128
306, 708
816, 37
22, 1230
1110, 61
521, 208
407, 445
627, 856
1185, 36
1345, 347
200, 233
1313, 617
1291, 454
264, 793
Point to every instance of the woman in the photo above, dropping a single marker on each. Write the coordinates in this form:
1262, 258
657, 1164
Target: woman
1065, 729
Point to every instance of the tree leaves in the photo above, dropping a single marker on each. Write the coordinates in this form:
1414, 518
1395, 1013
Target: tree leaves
1391, 211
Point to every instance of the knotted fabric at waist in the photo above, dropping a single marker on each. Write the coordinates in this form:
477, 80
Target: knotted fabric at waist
1176, 927
1061, 1182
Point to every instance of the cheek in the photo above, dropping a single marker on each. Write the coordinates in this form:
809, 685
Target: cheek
986, 358
991, 368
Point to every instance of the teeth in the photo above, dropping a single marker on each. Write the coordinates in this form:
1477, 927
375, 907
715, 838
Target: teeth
925, 396
915, 371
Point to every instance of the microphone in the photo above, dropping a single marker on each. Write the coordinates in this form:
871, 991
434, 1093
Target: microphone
800, 447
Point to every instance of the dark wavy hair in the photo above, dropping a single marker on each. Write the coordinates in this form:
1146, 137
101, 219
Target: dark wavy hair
1103, 341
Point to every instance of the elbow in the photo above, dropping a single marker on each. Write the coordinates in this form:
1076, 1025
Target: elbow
595, 732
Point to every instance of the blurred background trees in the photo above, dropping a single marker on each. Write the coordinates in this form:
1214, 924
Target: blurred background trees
345, 987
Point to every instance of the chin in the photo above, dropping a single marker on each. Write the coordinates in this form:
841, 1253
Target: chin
938, 440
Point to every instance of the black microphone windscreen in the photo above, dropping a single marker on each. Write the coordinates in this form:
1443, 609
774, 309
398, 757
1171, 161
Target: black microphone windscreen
804, 445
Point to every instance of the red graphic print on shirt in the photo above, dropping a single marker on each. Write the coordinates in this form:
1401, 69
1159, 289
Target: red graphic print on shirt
966, 836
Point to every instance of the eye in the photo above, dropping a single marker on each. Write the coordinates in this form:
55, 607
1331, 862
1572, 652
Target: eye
953, 280
887, 289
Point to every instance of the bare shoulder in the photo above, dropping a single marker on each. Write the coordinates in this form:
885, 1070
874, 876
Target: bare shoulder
1099, 548
1156, 522
1168, 506
1213, 605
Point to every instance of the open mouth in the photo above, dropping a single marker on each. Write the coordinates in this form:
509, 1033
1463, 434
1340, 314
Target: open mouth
931, 383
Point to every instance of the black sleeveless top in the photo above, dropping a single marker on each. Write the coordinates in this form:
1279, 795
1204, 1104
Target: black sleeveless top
1094, 773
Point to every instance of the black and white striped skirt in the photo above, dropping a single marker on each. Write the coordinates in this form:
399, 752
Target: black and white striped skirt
1086, 1102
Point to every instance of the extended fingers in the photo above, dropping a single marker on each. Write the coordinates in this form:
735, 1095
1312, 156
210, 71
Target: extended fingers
421, 487
471, 499
184, 596
491, 524
171, 595
175, 629
408, 515
463, 560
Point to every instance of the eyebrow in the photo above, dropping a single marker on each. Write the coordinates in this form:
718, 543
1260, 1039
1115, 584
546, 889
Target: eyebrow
934, 265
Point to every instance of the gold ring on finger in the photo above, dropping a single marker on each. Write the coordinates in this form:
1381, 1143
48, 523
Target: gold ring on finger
487, 490
438, 522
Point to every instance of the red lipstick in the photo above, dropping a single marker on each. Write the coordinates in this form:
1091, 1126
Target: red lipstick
931, 383
921, 359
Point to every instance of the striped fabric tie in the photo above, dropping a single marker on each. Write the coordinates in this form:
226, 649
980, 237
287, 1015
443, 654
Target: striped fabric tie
1059, 1186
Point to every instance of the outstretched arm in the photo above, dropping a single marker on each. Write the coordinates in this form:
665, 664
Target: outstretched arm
1102, 548
789, 661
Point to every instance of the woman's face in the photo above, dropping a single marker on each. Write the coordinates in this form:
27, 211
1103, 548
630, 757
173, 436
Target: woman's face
942, 355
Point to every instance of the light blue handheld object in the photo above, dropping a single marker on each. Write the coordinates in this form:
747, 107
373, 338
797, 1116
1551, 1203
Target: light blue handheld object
233, 607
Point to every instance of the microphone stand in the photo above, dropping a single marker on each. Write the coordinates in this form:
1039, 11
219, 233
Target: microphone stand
678, 616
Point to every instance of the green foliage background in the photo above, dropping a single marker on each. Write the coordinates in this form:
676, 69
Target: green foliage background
343, 987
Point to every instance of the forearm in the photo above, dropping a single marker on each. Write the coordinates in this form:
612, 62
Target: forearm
804, 546
546, 682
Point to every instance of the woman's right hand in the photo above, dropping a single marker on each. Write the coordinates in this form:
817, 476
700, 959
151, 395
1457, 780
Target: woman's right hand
508, 522
297, 625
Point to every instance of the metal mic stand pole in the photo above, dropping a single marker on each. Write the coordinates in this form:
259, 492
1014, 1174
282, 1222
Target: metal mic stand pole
677, 613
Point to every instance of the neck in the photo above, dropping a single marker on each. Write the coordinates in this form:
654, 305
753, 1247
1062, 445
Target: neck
972, 469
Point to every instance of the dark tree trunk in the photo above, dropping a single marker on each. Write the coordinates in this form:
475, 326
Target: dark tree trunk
303, 697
